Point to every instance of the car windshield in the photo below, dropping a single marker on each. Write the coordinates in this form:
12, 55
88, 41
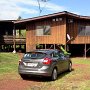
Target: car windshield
34, 55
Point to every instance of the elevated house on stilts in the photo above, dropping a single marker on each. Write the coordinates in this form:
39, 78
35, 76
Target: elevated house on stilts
50, 31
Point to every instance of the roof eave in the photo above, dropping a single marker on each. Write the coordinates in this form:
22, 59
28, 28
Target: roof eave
40, 17
52, 15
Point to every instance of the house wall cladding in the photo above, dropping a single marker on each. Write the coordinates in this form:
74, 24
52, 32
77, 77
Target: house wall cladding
72, 30
58, 33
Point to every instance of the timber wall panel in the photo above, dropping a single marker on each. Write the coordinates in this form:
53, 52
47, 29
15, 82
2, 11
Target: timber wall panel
58, 33
72, 30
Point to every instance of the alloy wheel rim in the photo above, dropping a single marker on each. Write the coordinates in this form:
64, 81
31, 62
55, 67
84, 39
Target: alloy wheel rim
70, 67
54, 74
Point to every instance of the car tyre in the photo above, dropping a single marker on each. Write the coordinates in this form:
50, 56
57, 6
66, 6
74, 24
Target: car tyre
54, 74
70, 67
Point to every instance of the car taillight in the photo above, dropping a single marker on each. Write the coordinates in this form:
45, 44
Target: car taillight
47, 61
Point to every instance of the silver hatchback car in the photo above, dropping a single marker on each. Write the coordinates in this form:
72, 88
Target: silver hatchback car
47, 62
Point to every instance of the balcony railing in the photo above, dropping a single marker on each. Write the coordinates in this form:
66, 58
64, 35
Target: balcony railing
10, 40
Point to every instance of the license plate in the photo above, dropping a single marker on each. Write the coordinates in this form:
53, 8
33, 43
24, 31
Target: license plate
31, 64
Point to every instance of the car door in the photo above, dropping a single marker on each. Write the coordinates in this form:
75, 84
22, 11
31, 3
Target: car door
59, 63
64, 61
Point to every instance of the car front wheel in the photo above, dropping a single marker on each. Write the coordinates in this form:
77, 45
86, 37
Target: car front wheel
54, 74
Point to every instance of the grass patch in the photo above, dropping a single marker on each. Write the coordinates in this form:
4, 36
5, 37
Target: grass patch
81, 61
8, 63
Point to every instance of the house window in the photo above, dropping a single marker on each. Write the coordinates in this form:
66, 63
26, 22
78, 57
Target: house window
43, 30
84, 30
81, 30
87, 30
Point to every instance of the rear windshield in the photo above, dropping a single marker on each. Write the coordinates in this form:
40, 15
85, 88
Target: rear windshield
34, 55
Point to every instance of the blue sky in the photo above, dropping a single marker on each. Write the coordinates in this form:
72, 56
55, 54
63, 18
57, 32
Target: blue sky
11, 9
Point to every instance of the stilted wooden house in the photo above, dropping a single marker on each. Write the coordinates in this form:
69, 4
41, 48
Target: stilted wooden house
63, 28
68, 29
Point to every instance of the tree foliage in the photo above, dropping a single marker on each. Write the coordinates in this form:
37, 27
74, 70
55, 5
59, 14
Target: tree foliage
19, 18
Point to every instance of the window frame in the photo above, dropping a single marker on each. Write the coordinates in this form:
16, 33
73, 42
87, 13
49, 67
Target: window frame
43, 30
85, 32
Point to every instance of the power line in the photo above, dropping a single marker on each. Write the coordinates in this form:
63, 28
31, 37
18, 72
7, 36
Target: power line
39, 7
40, 10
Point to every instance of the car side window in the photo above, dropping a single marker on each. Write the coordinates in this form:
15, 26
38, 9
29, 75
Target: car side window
55, 55
61, 56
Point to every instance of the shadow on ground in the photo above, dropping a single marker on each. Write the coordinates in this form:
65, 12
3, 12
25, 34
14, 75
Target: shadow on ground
46, 79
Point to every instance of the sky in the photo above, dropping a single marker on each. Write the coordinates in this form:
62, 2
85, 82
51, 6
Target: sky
12, 9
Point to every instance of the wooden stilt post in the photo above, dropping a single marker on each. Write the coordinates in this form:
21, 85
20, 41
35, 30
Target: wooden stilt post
85, 51
24, 47
14, 51
85, 45
54, 46
45, 46
4, 48
65, 47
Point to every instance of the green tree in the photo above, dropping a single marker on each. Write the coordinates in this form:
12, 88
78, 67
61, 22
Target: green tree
19, 18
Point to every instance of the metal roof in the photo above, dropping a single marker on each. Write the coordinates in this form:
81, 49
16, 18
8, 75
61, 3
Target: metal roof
46, 16
52, 15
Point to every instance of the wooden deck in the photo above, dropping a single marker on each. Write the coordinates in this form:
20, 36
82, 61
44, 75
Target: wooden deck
10, 40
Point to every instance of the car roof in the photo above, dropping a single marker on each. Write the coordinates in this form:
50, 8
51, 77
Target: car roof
46, 51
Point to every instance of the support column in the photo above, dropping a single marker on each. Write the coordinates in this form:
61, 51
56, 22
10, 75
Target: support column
65, 47
4, 48
19, 33
0, 48
14, 34
54, 46
85, 51
45, 46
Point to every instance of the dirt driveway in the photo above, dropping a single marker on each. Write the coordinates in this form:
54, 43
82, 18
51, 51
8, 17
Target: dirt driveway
16, 83
78, 79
